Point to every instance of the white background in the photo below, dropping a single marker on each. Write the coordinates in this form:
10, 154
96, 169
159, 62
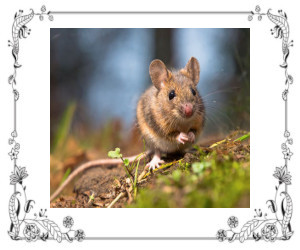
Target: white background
33, 121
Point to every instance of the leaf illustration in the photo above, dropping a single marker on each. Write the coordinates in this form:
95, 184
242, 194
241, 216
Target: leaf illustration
272, 206
233, 237
67, 237
287, 213
248, 229
28, 205
13, 214
53, 229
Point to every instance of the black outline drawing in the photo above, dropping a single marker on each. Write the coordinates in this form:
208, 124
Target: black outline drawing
279, 226
39, 226
260, 227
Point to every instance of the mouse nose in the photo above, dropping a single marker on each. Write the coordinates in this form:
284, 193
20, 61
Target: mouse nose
187, 109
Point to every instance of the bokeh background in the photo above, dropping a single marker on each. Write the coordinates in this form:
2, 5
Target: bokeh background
98, 75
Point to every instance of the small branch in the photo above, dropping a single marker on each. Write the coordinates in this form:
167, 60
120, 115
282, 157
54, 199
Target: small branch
116, 199
90, 164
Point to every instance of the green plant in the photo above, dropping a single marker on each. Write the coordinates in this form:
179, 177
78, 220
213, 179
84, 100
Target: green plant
63, 128
127, 167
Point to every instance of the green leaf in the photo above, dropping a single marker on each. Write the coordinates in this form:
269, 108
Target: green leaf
63, 128
242, 138
199, 167
115, 154
126, 162
67, 173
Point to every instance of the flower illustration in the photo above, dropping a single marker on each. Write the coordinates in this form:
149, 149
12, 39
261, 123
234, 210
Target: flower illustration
259, 18
233, 222
287, 154
286, 133
13, 154
269, 232
221, 235
18, 176
43, 8
31, 232
283, 175
14, 134
79, 235
257, 8
50, 17
68, 222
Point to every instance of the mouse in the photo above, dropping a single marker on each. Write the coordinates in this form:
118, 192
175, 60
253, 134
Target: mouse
171, 113
170, 117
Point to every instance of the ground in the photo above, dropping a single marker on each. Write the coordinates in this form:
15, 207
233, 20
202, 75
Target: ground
213, 176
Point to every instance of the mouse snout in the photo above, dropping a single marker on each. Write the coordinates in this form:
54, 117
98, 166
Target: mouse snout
187, 109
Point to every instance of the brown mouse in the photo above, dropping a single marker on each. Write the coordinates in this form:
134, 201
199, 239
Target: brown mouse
170, 114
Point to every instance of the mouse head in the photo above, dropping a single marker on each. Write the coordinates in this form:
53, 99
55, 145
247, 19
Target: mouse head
177, 90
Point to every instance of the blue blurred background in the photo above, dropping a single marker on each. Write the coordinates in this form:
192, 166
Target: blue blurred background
103, 72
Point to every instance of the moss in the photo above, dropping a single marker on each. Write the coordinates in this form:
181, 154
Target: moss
218, 178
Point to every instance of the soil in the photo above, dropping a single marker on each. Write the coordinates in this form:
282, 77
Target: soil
99, 186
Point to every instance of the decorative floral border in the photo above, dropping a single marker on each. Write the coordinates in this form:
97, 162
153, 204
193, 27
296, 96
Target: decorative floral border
38, 226
279, 225
260, 227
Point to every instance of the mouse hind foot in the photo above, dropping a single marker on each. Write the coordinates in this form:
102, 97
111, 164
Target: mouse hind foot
155, 162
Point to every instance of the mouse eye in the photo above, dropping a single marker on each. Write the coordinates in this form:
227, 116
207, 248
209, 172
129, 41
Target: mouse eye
172, 95
193, 91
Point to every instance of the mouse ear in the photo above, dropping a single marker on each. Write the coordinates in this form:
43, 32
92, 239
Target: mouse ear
192, 70
159, 73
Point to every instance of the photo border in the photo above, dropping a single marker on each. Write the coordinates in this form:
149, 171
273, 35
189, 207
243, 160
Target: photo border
260, 227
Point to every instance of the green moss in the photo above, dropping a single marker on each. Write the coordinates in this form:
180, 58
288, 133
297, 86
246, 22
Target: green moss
213, 180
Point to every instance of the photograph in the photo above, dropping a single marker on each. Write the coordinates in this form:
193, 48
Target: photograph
150, 118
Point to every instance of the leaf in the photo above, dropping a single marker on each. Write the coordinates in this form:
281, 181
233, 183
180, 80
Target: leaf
115, 153
53, 229
272, 206
64, 127
44, 236
233, 237
287, 212
28, 206
256, 236
126, 162
13, 214
11, 79
67, 237
248, 229
67, 173
242, 138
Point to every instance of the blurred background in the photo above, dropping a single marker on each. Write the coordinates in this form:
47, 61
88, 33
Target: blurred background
98, 75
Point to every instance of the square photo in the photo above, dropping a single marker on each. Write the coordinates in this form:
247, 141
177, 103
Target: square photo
150, 118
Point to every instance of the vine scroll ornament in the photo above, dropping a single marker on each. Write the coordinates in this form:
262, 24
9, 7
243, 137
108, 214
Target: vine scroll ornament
279, 226
38, 226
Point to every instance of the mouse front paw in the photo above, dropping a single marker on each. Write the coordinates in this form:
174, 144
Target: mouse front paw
182, 138
191, 137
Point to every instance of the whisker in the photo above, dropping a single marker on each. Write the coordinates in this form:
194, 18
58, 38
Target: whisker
222, 114
221, 91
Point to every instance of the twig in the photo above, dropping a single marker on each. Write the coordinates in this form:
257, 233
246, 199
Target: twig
90, 164
116, 199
